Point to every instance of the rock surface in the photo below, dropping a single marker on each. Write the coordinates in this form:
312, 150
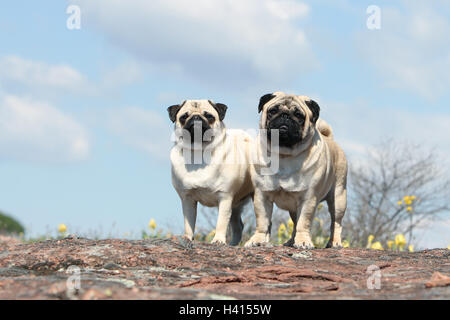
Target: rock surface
175, 269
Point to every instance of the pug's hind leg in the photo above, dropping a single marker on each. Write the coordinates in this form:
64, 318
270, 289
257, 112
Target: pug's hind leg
290, 242
332, 211
337, 204
237, 226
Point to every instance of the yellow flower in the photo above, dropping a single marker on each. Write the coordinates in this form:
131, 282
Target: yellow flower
62, 228
290, 226
400, 202
282, 231
409, 199
409, 209
211, 235
390, 243
345, 244
198, 237
400, 241
377, 246
411, 248
369, 240
152, 224
319, 241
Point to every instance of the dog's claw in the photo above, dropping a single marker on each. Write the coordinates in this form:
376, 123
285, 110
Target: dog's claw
258, 239
185, 241
335, 245
218, 242
304, 245
289, 243
250, 244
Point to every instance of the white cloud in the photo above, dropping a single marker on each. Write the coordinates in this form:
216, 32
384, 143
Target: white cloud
124, 74
34, 131
216, 42
411, 51
142, 129
19, 73
22, 76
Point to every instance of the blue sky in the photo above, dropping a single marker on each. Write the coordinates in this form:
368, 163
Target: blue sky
84, 138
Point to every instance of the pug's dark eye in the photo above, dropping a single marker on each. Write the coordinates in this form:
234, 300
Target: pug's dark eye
183, 118
273, 111
298, 114
209, 116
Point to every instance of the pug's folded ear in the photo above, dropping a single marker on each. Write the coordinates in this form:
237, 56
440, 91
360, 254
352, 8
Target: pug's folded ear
264, 99
173, 111
315, 109
220, 108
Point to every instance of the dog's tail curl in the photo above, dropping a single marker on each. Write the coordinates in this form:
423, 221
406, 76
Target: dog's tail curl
324, 128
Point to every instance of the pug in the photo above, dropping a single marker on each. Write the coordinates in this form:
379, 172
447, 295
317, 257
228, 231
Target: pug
312, 168
210, 166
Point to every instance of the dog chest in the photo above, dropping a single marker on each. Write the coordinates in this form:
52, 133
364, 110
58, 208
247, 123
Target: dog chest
206, 197
285, 200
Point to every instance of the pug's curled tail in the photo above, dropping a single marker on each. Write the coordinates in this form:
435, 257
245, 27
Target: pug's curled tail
324, 128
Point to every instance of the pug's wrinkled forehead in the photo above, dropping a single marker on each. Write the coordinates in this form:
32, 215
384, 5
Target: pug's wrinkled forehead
288, 101
198, 106
284, 99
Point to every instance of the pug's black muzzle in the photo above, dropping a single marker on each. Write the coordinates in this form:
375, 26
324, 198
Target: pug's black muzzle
289, 130
197, 126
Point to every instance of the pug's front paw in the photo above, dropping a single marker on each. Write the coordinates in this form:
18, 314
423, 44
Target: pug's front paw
303, 242
258, 239
218, 241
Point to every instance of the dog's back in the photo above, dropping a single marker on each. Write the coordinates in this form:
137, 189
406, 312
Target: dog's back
339, 159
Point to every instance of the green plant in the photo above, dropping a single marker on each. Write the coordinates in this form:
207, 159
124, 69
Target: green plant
9, 225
